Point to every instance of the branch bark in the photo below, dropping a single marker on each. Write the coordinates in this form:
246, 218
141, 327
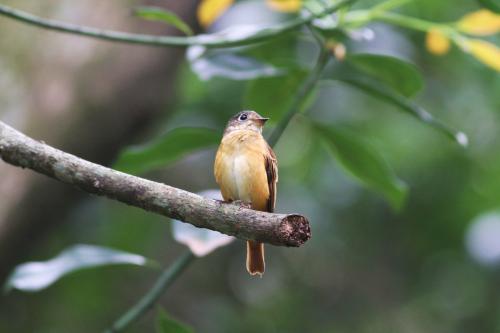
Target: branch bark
277, 229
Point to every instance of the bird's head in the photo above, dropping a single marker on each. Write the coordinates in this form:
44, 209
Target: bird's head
246, 120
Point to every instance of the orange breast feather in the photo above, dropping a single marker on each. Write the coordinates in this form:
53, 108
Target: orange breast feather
240, 168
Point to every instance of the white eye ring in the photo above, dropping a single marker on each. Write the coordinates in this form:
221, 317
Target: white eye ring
243, 116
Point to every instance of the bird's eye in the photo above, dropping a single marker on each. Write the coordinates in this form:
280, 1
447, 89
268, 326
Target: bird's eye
243, 116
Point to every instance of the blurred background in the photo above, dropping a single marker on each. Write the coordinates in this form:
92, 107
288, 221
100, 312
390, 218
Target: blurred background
433, 266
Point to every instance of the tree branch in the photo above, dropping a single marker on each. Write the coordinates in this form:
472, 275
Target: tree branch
219, 41
277, 229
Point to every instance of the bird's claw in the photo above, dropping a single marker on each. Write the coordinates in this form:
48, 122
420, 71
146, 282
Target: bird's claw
241, 203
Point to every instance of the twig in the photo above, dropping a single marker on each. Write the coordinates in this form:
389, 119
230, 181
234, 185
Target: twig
214, 41
166, 278
277, 229
301, 97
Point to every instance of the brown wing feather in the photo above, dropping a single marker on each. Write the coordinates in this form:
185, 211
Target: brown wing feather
272, 178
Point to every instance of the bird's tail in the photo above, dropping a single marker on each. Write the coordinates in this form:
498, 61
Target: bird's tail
255, 258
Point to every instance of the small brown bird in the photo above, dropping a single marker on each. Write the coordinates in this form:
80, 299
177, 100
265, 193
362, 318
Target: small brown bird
246, 169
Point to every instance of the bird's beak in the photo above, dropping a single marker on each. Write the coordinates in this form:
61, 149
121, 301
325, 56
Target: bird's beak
261, 120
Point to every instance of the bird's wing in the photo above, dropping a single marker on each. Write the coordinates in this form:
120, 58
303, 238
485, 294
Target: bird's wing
272, 178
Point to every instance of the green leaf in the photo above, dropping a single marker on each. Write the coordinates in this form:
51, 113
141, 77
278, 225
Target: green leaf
166, 16
279, 52
386, 94
165, 149
364, 162
493, 5
400, 75
324, 23
271, 96
34, 276
208, 63
165, 324
389, 5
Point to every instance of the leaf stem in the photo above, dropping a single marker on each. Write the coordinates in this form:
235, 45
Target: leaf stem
301, 97
166, 278
213, 41
405, 21
389, 5
361, 17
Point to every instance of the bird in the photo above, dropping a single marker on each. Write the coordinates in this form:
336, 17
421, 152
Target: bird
246, 170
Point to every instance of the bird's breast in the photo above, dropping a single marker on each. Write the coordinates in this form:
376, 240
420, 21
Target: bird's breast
239, 176
240, 170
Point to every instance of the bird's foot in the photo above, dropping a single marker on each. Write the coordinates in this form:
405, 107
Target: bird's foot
241, 203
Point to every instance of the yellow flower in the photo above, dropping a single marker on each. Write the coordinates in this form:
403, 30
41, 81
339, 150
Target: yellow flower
481, 23
436, 42
210, 10
288, 6
487, 53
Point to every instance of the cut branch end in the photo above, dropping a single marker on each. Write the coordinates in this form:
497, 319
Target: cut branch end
295, 230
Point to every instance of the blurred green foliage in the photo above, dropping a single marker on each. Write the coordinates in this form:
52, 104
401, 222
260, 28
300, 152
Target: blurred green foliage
165, 149
165, 324
162, 15
363, 162
368, 267
401, 76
